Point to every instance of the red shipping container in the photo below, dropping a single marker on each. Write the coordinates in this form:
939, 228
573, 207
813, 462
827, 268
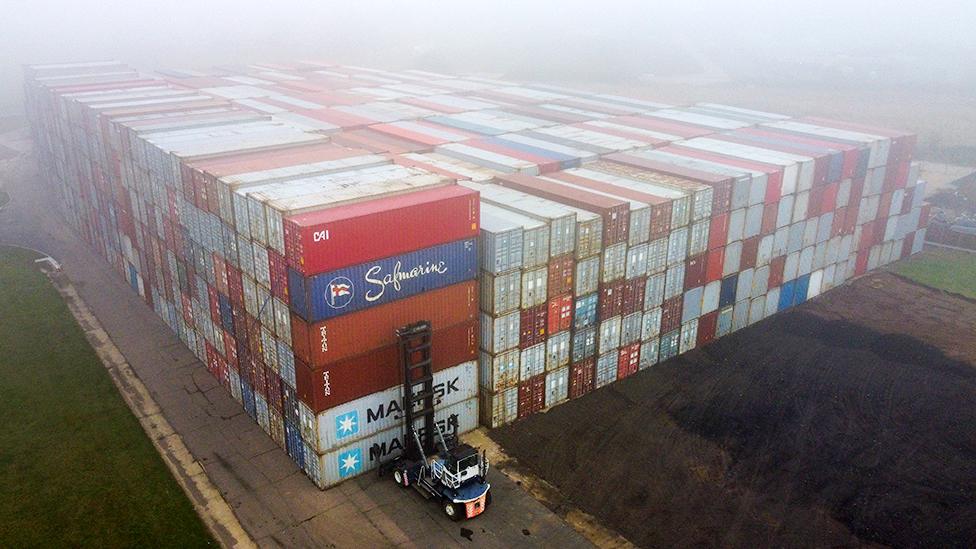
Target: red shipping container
814, 202
695, 271
235, 287
923, 218
332, 238
348, 335
230, 348
560, 313
274, 390
278, 270
671, 314
718, 231
611, 300
861, 263
628, 360
902, 171
829, 200
259, 374
633, 299
867, 236
344, 381
837, 226
851, 216
906, 246
562, 269
906, 203
214, 304
532, 326
776, 267
770, 211
615, 212
884, 206
581, 377
707, 325
220, 273
714, 264
750, 250
532, 396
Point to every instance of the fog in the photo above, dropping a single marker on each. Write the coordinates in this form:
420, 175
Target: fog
854, 43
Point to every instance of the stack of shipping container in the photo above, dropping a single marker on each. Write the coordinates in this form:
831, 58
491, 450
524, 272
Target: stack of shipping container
285, 220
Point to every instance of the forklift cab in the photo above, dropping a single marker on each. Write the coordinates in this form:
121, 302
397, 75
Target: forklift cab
462, 461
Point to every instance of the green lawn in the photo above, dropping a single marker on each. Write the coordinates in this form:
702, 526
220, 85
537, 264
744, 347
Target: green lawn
950, 270
76, 468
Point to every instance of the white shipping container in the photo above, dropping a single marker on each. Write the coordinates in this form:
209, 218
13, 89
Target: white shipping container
614, 262
557, 350
689, 335
499, 371
757, 309
500, 333
630, 328
657, 256
534, 283
637, 261
698, 242
710, 296
379, 411
609, 334
678, 245
732, 259
606, 369
532, 361
557, 386
367, 453
674, 284
501, 294
651, 324
737, 225
772, 301
499, 408
587, 275
649, 353
654, 291
501, 241
753, 221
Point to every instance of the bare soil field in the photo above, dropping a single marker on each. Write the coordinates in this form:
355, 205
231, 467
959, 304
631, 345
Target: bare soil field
848, 421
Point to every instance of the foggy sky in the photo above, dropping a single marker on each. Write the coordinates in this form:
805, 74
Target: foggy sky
560, 38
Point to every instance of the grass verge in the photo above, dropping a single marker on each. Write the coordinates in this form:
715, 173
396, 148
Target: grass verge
77, 468
945, 269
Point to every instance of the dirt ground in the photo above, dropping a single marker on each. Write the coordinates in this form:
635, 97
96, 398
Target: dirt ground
846, 422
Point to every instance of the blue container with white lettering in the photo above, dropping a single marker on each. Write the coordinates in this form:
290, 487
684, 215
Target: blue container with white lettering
343, 291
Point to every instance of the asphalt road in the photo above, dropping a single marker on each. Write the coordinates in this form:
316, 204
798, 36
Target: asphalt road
275, 502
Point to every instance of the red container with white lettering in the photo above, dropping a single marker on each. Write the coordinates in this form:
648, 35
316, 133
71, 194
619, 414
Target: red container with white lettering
332, 238
344, 381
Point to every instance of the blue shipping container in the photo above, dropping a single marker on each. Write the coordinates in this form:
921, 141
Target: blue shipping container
366, 285
226, 313
565, 161
726, 294
584, 311
801, 289
786, 295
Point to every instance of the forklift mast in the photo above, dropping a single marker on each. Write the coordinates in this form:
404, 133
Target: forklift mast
414, 341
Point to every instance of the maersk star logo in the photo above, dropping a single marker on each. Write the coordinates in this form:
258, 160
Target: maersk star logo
350, 463
347, 424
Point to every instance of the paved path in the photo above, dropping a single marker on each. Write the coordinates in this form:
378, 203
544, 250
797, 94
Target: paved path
274, 501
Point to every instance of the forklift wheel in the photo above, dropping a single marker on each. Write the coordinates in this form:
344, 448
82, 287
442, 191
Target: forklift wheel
398, 475
453, 511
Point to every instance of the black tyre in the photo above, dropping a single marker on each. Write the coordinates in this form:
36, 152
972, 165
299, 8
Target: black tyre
453, 511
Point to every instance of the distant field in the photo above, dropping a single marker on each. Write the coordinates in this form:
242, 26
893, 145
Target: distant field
77, 468
950, 270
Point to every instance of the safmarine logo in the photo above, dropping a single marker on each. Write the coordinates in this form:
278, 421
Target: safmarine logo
347, 424
350, 463
339, 292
